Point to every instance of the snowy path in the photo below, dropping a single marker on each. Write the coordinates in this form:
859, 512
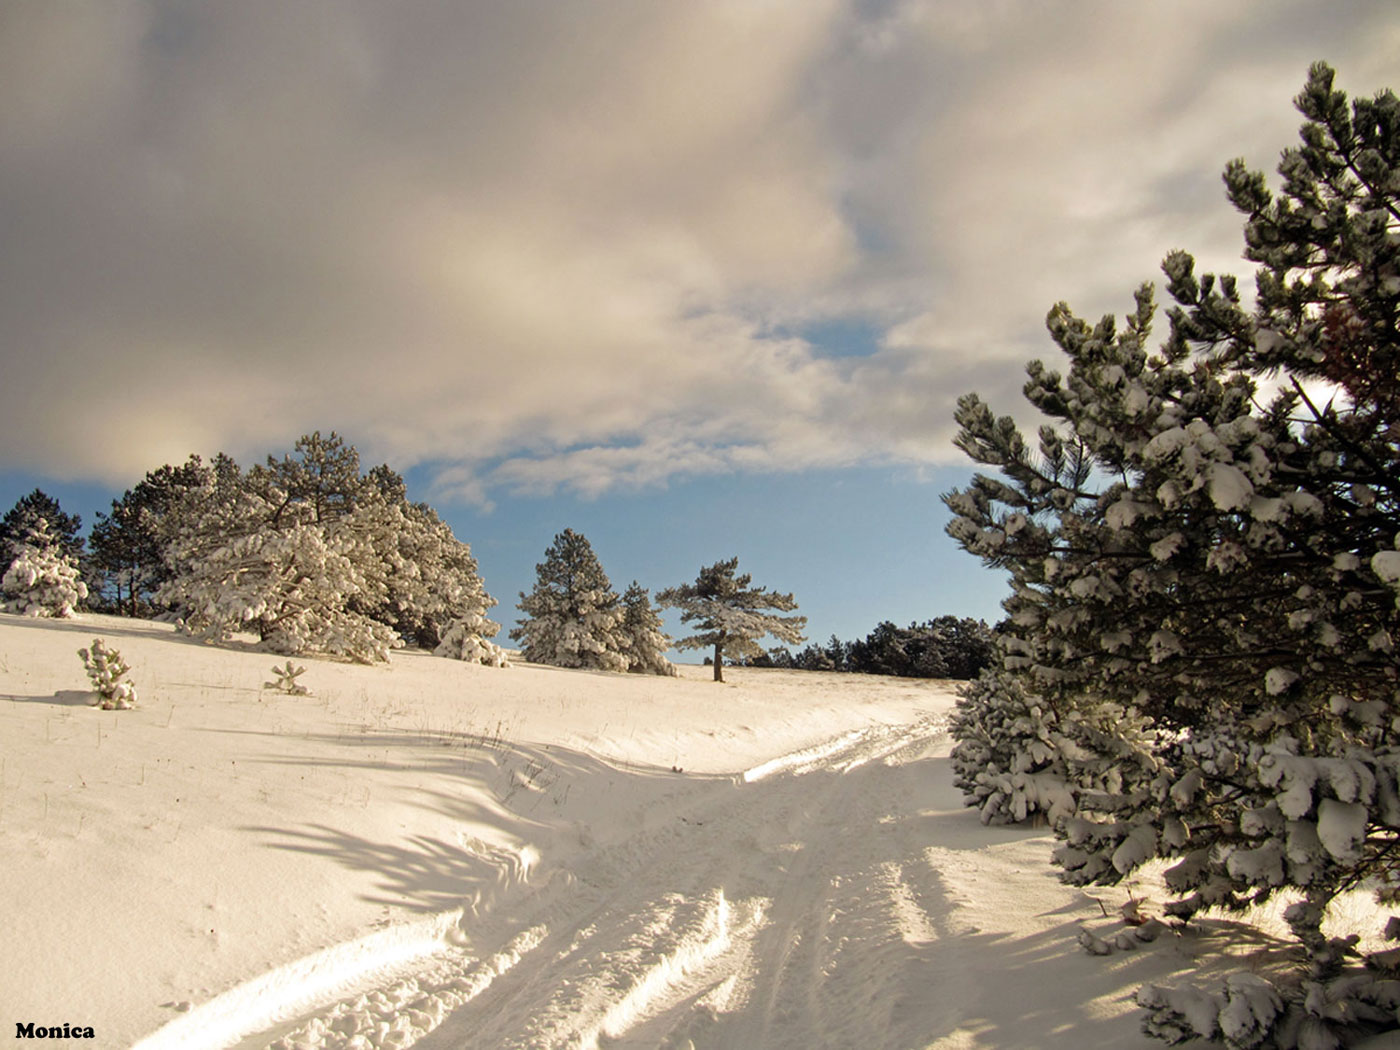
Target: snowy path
840, 897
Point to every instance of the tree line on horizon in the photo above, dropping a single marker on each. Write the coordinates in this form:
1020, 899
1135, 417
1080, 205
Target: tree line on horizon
314, 555
950, 647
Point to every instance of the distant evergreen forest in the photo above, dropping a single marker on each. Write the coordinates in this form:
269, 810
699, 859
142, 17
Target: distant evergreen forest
944, 647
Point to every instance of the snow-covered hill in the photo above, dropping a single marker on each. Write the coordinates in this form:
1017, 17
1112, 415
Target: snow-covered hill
447, 855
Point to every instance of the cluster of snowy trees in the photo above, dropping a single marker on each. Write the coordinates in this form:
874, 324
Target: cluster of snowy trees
944, 647
307, 552
1204, 547
316, 557
574, 618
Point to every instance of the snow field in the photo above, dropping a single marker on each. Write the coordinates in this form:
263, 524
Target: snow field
447, 856
220, 831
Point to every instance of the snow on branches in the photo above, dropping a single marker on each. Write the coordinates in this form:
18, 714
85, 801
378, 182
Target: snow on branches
42, 580
469, 638
1204, 583
315, 557
1009, 759
292, 586
573, 617
645, 643
729, 612
107, 670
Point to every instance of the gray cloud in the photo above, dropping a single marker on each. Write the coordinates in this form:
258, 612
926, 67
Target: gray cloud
547, 244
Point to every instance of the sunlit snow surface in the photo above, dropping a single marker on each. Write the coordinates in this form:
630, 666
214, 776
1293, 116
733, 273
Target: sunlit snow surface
439, 855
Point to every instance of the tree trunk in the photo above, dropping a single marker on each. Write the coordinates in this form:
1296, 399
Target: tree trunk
719, 661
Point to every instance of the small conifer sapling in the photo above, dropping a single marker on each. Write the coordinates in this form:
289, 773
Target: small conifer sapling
287, 680
108, 672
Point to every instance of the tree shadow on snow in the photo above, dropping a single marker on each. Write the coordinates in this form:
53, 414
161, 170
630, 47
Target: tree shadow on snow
492, 792
870, 936
63, 698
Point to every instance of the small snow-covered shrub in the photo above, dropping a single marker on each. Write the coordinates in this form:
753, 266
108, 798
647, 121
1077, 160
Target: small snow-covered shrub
468, 638
108, 671
287, 680
42, 580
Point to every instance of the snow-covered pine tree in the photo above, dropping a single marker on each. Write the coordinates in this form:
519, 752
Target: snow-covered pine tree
573, 616
41, 580
430, 579
646, 643
1211, 610
728, 611
249, 555
21, 519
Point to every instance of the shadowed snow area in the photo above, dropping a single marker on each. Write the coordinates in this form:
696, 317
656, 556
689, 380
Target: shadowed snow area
438, 855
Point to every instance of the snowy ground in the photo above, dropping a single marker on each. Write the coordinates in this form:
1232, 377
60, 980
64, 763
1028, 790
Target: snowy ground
439, 855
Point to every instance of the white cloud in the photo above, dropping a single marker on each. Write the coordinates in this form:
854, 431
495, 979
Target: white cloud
541, 245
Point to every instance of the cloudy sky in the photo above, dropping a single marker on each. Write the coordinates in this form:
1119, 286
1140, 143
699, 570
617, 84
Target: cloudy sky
705, 277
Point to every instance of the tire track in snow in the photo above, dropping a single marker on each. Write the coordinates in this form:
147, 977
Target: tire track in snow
767, 910
611, 979
400, 1015
834, 967
292, 990
849, 751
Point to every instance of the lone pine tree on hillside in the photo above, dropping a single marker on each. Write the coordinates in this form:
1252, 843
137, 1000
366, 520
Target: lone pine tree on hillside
729, 613
1206, 586
573, 616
